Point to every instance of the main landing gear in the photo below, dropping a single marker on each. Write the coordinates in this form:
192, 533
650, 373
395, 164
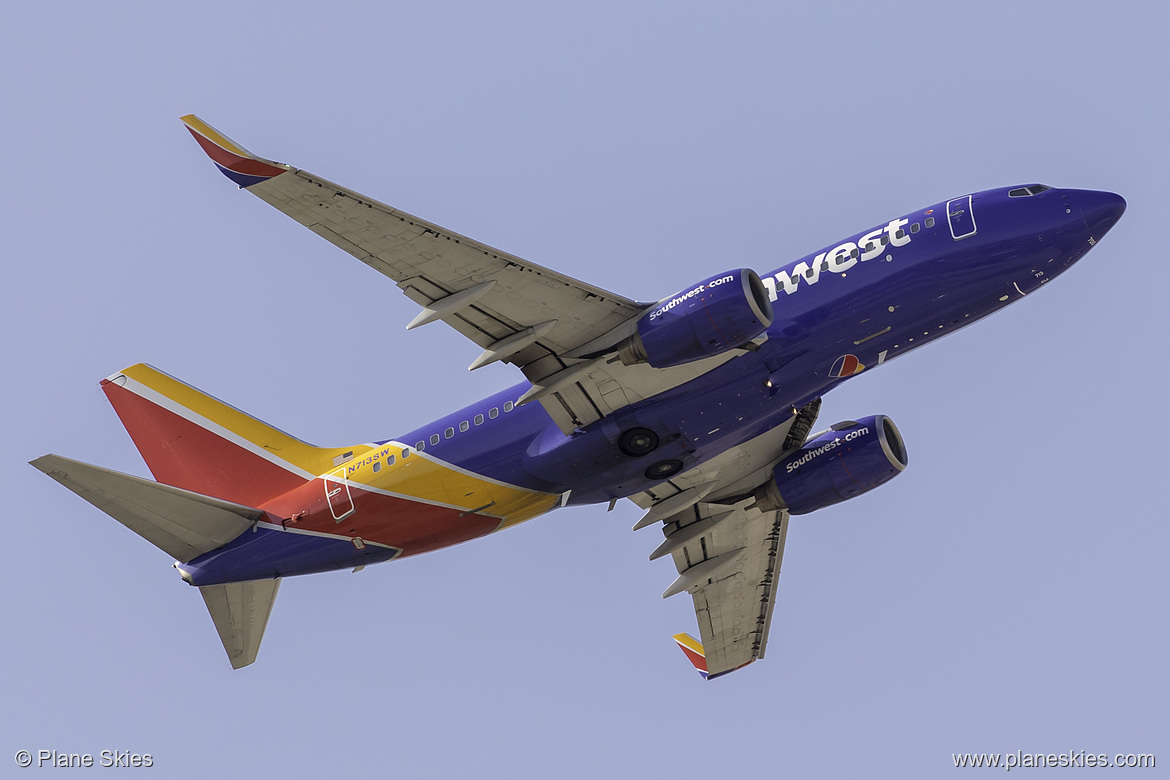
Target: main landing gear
664, 469
639, 442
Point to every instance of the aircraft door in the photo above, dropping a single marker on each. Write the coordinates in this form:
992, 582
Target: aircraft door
338, 495
960, 217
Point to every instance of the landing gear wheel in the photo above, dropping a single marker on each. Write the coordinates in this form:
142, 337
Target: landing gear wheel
637, 442
664, 469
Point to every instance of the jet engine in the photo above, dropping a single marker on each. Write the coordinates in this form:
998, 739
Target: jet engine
847, 460
709, 318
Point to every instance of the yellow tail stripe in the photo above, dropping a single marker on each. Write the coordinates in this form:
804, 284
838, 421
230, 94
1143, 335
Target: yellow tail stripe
414, 477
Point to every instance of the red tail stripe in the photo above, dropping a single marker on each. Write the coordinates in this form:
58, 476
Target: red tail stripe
181, 453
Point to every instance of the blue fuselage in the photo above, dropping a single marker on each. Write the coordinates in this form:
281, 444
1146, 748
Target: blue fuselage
850, 307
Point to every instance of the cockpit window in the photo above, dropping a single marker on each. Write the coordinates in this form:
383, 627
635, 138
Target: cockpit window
1024, 192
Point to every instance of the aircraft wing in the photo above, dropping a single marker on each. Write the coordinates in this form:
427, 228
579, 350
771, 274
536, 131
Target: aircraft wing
727, 550
556, 328
728, 559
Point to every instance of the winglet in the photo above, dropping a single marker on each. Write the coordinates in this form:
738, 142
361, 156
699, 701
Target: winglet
693, 649
236, 162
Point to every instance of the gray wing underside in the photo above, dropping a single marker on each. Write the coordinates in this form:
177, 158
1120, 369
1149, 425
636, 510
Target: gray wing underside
727, 551
731, 568
563, 333
560, 331
430, 263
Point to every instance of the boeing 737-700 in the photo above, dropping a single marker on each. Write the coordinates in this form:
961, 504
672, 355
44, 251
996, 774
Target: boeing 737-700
699, 407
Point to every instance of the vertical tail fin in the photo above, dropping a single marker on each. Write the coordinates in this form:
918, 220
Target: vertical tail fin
184, 525
193, 441
240, 611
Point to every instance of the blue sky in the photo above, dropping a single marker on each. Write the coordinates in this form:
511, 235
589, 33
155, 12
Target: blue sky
1008, 592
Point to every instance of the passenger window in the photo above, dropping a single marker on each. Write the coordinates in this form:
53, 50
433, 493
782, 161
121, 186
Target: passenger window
509, 406
930, 222
915, 228
377, 466
885, 240
406, 453
449, 432
390, 460
901, 233
493, 413
420, 445
435, 438
853, 253
479, 419
463, 426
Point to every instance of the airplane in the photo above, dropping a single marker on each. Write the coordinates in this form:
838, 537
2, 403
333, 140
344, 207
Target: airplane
697, 407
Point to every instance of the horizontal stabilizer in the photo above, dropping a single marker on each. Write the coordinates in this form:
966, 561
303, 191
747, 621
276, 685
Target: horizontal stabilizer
240, 611
181, 523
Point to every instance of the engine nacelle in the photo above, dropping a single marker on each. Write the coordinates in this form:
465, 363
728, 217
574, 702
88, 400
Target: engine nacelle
847, 460
721, 313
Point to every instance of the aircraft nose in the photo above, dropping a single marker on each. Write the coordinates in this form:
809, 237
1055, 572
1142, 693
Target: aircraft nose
1101, 211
